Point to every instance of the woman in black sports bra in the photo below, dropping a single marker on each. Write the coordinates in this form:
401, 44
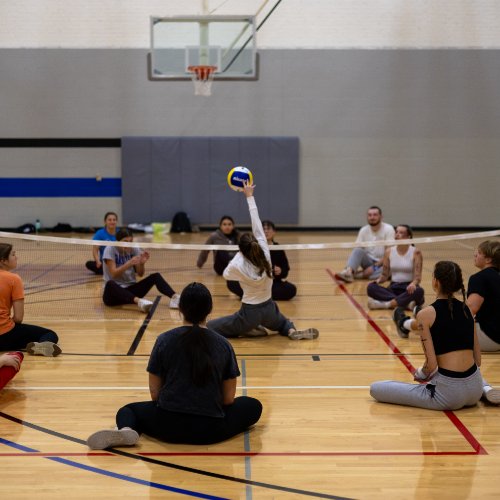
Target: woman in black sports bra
451, 348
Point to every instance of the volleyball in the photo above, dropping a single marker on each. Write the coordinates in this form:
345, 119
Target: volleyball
237, 176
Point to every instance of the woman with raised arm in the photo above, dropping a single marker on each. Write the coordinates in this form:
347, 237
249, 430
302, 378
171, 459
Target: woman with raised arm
106, 233
450, 377
121, 266
192, 381
14, 334
252, 268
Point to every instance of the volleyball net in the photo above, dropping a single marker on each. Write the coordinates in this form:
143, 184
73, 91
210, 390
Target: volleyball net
59, 287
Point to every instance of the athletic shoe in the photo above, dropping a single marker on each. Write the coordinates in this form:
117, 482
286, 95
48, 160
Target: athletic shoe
309, 333
492, 395
399, 318
258, 331
359, 275
345, 275
109, 438
411, 305
144, 305
416, 310
377, 304
174, 301
48, 349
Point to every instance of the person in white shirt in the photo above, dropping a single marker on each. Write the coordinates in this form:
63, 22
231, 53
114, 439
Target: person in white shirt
251, 266
404, 264
366, 262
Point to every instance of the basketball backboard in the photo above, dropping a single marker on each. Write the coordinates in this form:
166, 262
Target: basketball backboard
180, 42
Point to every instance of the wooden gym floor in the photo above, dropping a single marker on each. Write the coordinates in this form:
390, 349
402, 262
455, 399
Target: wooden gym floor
321, 435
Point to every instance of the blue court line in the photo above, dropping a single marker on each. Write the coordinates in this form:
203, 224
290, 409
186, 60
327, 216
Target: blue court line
246, 435
114, 475
60, 187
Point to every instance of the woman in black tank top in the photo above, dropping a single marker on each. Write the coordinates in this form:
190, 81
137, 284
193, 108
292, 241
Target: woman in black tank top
452, 354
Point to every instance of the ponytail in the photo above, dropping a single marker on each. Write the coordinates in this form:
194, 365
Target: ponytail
252, 251
194, 344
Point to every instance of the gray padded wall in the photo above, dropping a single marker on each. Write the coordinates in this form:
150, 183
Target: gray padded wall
165, 175
415, 131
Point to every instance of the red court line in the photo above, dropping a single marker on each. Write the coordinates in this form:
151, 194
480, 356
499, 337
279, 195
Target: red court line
474, 443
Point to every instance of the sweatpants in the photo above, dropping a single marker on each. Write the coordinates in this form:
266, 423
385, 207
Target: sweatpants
441, 393
396, 291
359, 258
173, 427
115, 295
249, 317
281, 290
22, 334
486, 343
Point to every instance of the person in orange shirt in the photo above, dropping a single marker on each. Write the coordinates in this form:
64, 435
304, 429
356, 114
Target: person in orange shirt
14, 334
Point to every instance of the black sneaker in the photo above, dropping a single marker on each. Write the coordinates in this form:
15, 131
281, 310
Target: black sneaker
399, 318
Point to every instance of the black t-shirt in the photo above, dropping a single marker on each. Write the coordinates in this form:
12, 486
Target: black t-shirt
452, 330
179, 393
278, 258
486, 283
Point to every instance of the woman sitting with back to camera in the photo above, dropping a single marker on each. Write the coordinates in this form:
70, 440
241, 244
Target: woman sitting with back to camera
452, 354
252, 268
121, 265
192, 381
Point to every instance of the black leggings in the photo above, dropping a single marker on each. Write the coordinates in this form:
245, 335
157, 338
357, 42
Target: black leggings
23, 334
173, 427
115, 295
91, 266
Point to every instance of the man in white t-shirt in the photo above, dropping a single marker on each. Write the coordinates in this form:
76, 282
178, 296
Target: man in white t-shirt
366, 262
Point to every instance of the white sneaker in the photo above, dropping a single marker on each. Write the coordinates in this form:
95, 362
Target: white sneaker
345, 275
109, 438
411, 305
174, 301
309, 334
377, 304
144, 305
48, 349
491, 395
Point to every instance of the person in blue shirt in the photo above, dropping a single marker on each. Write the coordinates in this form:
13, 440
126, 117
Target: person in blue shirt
106, 233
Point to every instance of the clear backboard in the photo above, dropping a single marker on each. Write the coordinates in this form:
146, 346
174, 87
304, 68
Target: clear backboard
227, 43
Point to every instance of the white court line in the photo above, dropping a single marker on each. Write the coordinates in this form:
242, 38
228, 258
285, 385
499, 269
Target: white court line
143, 388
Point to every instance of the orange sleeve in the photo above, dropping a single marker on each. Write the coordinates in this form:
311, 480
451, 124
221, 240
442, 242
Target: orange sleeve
17, 288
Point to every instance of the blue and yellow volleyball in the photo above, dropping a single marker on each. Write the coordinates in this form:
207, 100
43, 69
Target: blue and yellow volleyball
237, 176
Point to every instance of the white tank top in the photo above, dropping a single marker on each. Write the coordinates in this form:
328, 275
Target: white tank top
402, 265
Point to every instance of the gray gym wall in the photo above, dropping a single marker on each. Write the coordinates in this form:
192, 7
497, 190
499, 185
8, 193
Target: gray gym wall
414, 131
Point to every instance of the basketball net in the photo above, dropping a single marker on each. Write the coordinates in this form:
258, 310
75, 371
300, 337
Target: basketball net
202, 77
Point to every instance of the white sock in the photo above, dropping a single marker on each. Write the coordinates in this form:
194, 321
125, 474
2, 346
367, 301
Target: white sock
407, 324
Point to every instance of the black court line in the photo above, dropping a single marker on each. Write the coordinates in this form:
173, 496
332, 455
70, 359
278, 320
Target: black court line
142, 329
169, 465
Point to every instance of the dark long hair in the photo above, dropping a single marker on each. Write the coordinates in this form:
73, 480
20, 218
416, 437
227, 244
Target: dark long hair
251, 250
124, 232
195, 305
5, 249
450, 279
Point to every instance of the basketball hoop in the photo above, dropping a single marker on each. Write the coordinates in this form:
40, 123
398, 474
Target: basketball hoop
202, 77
